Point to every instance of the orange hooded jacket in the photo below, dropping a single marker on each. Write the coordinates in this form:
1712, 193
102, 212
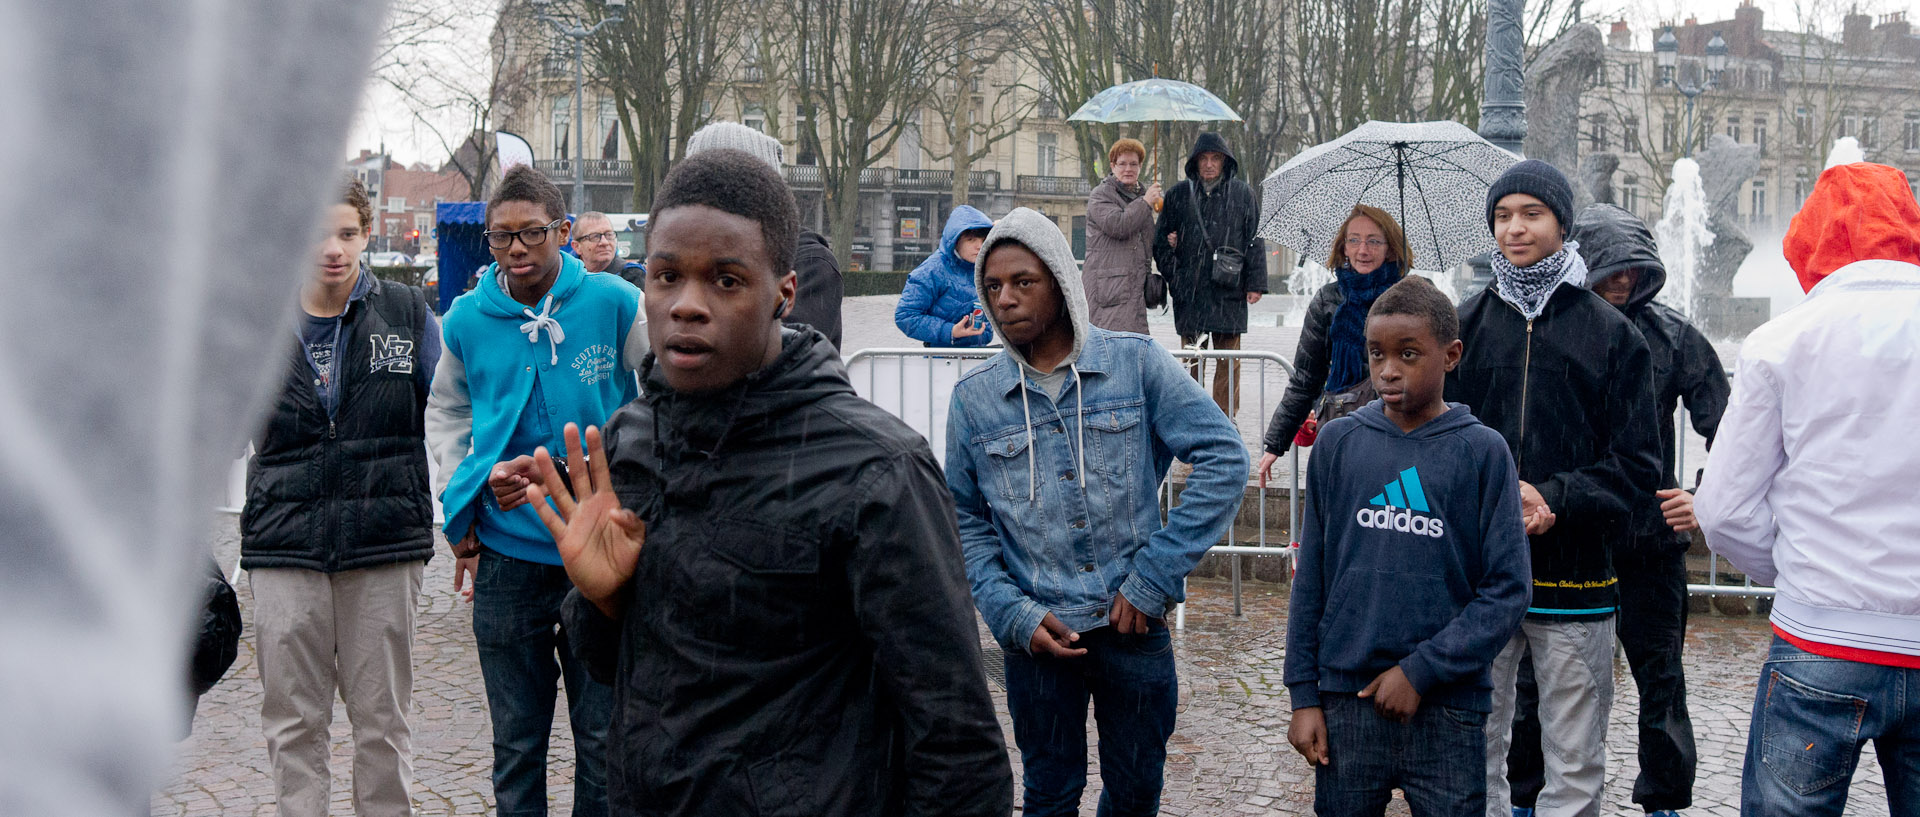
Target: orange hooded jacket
1857, 212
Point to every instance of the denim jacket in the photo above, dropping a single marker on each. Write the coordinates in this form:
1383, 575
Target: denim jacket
1058, 499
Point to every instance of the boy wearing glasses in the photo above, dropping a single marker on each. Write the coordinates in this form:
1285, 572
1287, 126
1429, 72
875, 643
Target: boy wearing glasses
537, 344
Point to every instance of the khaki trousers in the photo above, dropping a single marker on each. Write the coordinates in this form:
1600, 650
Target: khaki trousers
353, 632
1226, 374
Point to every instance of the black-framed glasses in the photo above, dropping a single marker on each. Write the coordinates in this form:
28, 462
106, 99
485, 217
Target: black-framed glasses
531, 236
595, 238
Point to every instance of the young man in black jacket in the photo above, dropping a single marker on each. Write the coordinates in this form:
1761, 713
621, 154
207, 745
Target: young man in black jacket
795, 636
1568, 381
1623, 266
335, 570
819, 285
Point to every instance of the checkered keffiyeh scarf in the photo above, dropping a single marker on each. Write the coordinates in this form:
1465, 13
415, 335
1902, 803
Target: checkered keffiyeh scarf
1528, 288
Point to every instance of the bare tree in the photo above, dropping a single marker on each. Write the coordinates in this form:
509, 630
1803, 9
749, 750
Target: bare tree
453, 92
865, 67
975, 112
1077, 48
663, 65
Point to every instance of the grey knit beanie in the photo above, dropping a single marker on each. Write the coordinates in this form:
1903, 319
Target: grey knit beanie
738, 137
1539, 180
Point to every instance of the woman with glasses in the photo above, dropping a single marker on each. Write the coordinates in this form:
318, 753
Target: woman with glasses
1330, 364
1120, 241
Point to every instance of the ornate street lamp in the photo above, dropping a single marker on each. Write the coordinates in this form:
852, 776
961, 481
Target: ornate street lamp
1666, 55
579, 35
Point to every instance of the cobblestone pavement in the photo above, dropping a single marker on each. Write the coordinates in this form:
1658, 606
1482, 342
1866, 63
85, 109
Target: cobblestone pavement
1229, 754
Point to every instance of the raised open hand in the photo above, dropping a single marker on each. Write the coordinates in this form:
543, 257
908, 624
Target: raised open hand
599, 540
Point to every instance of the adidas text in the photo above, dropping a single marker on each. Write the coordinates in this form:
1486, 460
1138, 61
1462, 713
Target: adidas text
1401, 520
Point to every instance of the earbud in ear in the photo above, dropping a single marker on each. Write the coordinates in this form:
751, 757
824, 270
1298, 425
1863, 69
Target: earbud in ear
780, 309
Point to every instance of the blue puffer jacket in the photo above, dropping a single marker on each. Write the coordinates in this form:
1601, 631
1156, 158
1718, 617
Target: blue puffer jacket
940, 291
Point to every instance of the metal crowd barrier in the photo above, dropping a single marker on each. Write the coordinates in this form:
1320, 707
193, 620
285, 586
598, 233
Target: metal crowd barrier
916, 384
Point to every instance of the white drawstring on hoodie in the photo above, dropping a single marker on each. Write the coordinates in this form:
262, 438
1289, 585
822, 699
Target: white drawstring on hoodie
1080, 412
544, 320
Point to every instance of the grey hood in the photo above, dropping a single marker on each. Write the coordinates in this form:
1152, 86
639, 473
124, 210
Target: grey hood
1038, 233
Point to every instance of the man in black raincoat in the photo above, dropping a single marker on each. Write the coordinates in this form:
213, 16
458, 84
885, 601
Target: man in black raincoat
1623, 266
766, 565
1208, 221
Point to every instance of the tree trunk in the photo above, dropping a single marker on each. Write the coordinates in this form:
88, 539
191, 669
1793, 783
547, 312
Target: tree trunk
962, 180
843, 207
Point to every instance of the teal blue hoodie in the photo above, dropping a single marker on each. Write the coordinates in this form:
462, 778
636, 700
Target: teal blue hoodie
581, 344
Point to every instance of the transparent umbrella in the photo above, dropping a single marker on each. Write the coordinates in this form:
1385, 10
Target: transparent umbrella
1431, 176
1154, 100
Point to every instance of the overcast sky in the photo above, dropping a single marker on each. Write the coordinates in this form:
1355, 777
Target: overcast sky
385, 118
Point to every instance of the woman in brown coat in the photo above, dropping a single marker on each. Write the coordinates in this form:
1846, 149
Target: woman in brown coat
1120, 241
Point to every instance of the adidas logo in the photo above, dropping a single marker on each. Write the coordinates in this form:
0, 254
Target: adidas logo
1393, 508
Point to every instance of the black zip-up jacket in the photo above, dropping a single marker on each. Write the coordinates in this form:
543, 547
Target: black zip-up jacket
1312, 358
1572, 393
351, 491
800, 639
821, 286
1685, 364
1231, 216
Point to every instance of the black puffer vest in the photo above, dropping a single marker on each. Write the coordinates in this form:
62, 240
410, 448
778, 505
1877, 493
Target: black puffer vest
351, 491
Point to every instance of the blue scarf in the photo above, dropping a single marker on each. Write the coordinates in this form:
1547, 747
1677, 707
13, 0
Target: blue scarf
1347, 337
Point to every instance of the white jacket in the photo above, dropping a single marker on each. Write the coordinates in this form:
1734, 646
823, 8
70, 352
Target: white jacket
1813, 479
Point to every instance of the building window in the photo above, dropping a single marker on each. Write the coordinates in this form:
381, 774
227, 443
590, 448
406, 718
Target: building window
755, 117
1870, 132
1911, 139
909, 144
1849, 126
1630, 193
1733, 128
562, 125
1597, 136
1759, 214
1049, 153
1802, 185
1630, 133
1630, 75
1669, 134
1760, 134
609, 130
1802, 126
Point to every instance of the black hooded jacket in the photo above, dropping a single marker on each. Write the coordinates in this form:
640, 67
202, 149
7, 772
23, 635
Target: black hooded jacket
1572, 393
821, 286
800, 638
1231, 218
1685, 364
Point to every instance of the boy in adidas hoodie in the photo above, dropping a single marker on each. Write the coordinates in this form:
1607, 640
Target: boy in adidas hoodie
1413, 574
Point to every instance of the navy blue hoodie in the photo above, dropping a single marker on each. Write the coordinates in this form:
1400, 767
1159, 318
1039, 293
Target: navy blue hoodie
1413, 553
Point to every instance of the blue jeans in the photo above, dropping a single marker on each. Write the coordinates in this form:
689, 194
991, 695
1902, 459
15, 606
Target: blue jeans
1130, 679
1437, 759
516, 620
1811, 715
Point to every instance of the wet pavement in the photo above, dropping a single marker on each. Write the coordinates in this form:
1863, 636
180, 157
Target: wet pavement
1229, 753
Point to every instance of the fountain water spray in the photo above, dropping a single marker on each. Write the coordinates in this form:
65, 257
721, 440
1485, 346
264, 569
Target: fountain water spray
1683, 235
1846, 151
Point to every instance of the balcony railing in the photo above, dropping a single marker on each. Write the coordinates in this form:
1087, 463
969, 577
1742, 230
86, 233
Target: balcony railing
598, 171
943, 179
1062, 186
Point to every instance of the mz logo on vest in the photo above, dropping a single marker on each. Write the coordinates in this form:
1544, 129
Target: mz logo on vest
1395, 506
